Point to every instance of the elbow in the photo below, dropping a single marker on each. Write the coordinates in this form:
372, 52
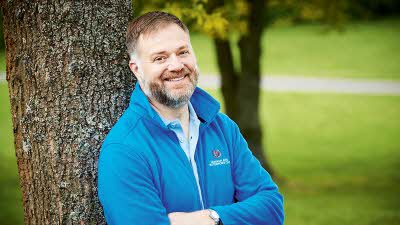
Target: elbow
281, 210
274, 209
278, 209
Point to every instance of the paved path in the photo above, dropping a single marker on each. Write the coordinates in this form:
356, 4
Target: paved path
319, 85
309, 84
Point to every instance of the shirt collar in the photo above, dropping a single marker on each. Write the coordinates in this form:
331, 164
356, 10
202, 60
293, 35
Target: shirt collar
192, 116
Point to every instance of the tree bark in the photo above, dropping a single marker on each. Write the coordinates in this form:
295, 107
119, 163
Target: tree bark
68, 83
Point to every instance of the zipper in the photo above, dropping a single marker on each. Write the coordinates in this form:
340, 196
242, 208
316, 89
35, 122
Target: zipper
203, 197
201, 174
189, 165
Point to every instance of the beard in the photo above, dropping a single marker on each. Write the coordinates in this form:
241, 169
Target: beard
158, 91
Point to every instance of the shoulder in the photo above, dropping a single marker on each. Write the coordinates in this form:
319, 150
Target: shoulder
121, 147
224, 127
126, 131
224, 121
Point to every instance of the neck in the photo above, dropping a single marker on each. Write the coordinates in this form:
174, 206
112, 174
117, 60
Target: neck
181, 113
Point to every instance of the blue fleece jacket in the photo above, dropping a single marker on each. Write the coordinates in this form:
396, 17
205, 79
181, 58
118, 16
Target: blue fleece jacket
144, 174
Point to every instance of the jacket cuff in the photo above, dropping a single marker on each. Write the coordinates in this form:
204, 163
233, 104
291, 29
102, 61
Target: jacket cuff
223, 216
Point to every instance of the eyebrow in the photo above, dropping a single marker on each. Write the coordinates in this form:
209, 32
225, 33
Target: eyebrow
164, 52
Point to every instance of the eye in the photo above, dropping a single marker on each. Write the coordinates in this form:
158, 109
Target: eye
159, 59
184, 53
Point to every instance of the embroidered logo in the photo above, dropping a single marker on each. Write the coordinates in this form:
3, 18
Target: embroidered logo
218, 160
216, 153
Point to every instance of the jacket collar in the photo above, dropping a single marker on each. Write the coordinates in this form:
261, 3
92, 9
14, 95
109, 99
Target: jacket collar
205, 105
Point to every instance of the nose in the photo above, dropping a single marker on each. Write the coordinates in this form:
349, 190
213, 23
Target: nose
174, 63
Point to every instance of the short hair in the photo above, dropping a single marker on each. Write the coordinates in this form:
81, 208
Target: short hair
147, 23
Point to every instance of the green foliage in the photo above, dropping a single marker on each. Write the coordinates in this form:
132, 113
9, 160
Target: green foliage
203, 15
220, 18
366, 9
213, 24
332, 13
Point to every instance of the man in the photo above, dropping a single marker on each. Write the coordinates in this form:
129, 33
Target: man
173, 158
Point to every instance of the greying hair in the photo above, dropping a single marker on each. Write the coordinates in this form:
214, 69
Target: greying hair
147, 23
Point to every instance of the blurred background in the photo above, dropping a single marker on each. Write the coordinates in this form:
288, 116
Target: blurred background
329, 102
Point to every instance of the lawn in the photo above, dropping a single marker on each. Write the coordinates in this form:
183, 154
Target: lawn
10, 194
339, 156
2, 61
362, 50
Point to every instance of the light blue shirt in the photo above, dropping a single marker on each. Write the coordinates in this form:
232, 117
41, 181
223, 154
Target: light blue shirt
188, 145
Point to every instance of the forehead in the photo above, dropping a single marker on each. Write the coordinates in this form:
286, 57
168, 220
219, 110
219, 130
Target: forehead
165, 39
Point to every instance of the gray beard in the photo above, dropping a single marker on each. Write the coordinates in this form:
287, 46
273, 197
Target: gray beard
159, 93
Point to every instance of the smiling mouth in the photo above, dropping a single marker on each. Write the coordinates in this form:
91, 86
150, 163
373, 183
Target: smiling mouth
176, 79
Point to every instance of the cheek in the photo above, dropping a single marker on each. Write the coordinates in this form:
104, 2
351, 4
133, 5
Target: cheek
152, 72
191, 63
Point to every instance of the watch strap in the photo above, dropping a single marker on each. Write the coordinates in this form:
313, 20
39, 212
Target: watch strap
214, 216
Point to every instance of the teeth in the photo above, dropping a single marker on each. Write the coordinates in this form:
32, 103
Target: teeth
177, 79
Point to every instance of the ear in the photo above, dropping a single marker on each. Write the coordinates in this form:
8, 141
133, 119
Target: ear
133, 65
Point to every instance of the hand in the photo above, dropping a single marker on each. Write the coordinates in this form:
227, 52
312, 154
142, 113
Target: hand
193, 218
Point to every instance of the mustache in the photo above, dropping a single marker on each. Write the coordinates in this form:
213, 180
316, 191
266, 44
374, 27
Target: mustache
171, 75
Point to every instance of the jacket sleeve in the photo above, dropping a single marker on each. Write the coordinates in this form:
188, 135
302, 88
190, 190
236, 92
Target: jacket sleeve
258, 199
126, 190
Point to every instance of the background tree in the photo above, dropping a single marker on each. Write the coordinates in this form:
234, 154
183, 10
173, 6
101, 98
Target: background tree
68, 83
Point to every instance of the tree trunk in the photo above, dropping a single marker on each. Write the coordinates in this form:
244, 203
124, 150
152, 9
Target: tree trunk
249, 88
242, 93
229, 78
68, 83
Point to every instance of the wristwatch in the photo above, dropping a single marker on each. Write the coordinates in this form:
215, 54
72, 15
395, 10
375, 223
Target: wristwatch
214, 216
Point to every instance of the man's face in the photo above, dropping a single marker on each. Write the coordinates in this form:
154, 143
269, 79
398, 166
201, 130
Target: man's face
165, 66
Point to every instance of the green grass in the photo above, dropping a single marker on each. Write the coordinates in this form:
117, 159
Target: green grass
2, 61
339, 155
11, 212
363, 50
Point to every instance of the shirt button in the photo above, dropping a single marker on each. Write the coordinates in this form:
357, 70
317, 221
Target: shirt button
180, 140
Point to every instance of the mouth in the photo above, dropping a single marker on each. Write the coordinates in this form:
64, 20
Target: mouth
176, 79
